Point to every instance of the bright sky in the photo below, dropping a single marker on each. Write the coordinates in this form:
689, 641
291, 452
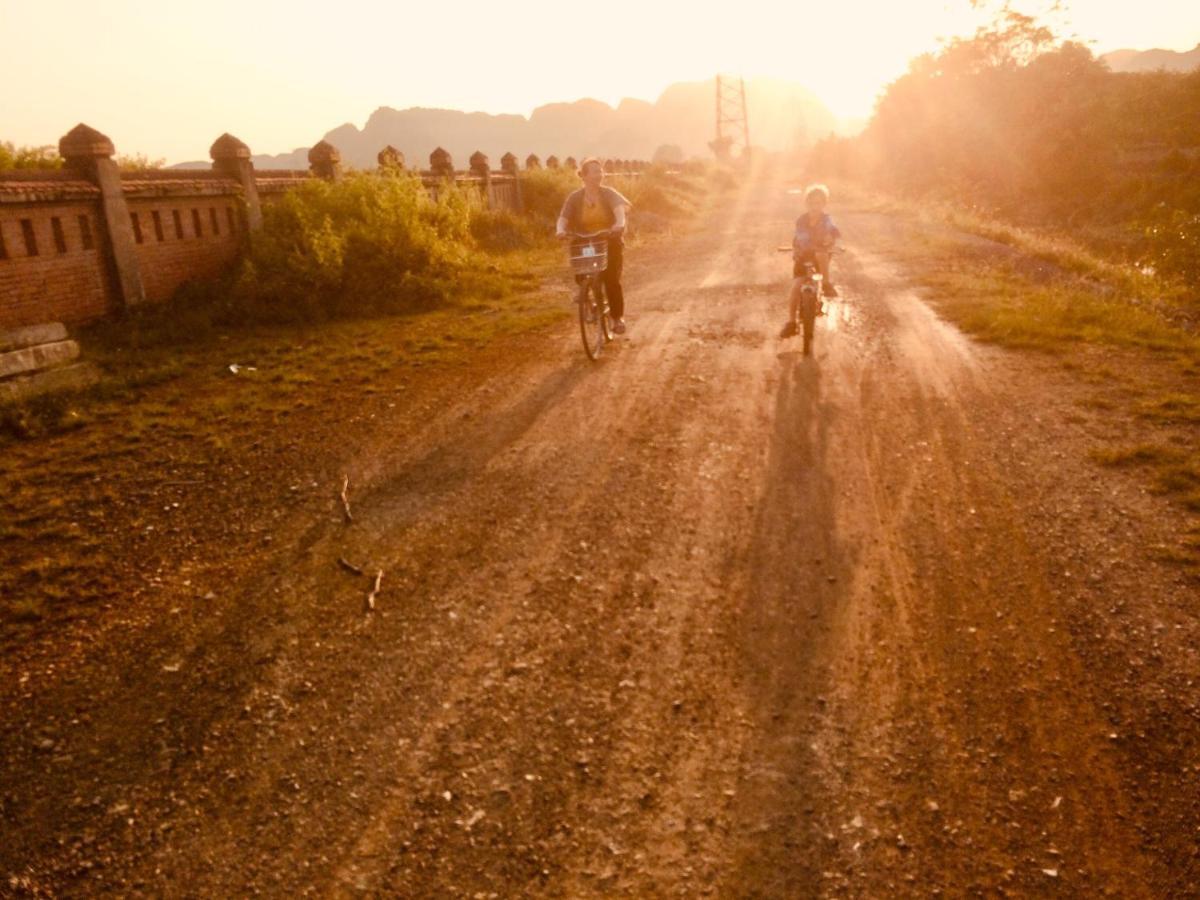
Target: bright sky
166, 78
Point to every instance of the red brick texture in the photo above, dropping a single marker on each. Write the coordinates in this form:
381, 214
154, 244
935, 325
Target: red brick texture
60, 271
167, 262
51, 284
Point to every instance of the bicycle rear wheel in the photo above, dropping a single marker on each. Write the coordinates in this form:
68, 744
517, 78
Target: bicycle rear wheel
591, 317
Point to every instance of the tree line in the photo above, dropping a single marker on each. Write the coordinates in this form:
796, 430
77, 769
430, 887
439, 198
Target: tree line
1036, 130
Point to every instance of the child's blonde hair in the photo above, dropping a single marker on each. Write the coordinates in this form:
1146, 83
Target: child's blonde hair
816, 189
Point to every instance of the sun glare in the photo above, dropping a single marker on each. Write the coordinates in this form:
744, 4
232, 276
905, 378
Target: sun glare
281, 94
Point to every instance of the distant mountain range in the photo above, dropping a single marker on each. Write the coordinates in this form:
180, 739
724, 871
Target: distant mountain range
1152, 60
783, 116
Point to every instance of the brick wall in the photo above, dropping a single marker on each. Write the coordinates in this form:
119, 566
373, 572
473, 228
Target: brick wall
52, 264
183, 238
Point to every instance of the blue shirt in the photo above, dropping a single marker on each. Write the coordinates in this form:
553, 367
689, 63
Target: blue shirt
814, 237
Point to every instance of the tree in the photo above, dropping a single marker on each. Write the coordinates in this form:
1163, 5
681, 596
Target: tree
14, 157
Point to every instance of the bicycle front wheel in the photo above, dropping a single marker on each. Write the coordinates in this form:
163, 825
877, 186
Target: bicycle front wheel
808, 322
606, 320
591, 317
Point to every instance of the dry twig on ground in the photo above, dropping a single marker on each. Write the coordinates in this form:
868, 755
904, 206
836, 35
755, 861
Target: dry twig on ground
349, 566
374, 591
345, 499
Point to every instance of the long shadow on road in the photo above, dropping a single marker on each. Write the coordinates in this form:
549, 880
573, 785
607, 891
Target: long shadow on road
793, 566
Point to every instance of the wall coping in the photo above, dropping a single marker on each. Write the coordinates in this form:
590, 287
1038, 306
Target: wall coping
140, 188
42, 185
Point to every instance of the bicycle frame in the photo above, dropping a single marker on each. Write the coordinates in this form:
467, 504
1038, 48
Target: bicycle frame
588, 255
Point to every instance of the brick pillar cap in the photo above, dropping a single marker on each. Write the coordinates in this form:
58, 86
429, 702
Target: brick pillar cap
83, 142
390, 156
440, 158
324, 152
552, 162
479, 161
228, 147
532, 161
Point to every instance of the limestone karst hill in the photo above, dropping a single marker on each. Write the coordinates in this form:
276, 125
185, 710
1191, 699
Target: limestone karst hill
783, 116
1152, 60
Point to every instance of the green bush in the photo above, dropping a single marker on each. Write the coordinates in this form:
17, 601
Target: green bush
367, 244
14, 157
502, 230
543, 192
1173, 240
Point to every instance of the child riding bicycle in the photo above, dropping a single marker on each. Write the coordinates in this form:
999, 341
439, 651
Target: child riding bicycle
812, 244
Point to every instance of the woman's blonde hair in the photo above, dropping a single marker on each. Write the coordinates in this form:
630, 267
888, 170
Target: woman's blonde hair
591, 159
816, 189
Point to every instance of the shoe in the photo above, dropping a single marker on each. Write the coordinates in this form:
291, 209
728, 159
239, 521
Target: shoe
829, 290
789, 330
619, 326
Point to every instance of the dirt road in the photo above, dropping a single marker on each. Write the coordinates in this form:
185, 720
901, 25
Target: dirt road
707, 618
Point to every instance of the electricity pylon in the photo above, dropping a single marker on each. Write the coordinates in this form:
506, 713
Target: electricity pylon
733, 123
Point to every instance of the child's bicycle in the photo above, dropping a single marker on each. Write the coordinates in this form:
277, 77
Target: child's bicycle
804, 313
589, 260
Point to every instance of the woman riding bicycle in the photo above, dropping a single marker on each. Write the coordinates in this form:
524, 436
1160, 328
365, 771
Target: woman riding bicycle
595, 207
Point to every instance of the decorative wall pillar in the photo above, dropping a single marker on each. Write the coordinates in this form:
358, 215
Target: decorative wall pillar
551, 162
390, 159
441, 163
570, 163
532, 162
480, 165
232, 158
511, 166
325, 161
90, 153
481, 168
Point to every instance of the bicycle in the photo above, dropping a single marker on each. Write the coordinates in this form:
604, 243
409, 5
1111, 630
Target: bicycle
811, 299
589, 260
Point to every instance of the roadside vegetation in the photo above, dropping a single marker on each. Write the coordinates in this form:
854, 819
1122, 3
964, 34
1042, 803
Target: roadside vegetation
46, 157
1048, 204
1029, 141
14, 157
1018, 126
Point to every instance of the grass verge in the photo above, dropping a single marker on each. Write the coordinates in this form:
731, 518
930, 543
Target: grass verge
1129, 335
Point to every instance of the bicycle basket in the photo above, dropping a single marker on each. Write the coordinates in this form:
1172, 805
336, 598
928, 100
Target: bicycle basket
590, 256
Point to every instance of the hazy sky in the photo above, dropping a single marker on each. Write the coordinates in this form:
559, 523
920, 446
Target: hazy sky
166, 78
